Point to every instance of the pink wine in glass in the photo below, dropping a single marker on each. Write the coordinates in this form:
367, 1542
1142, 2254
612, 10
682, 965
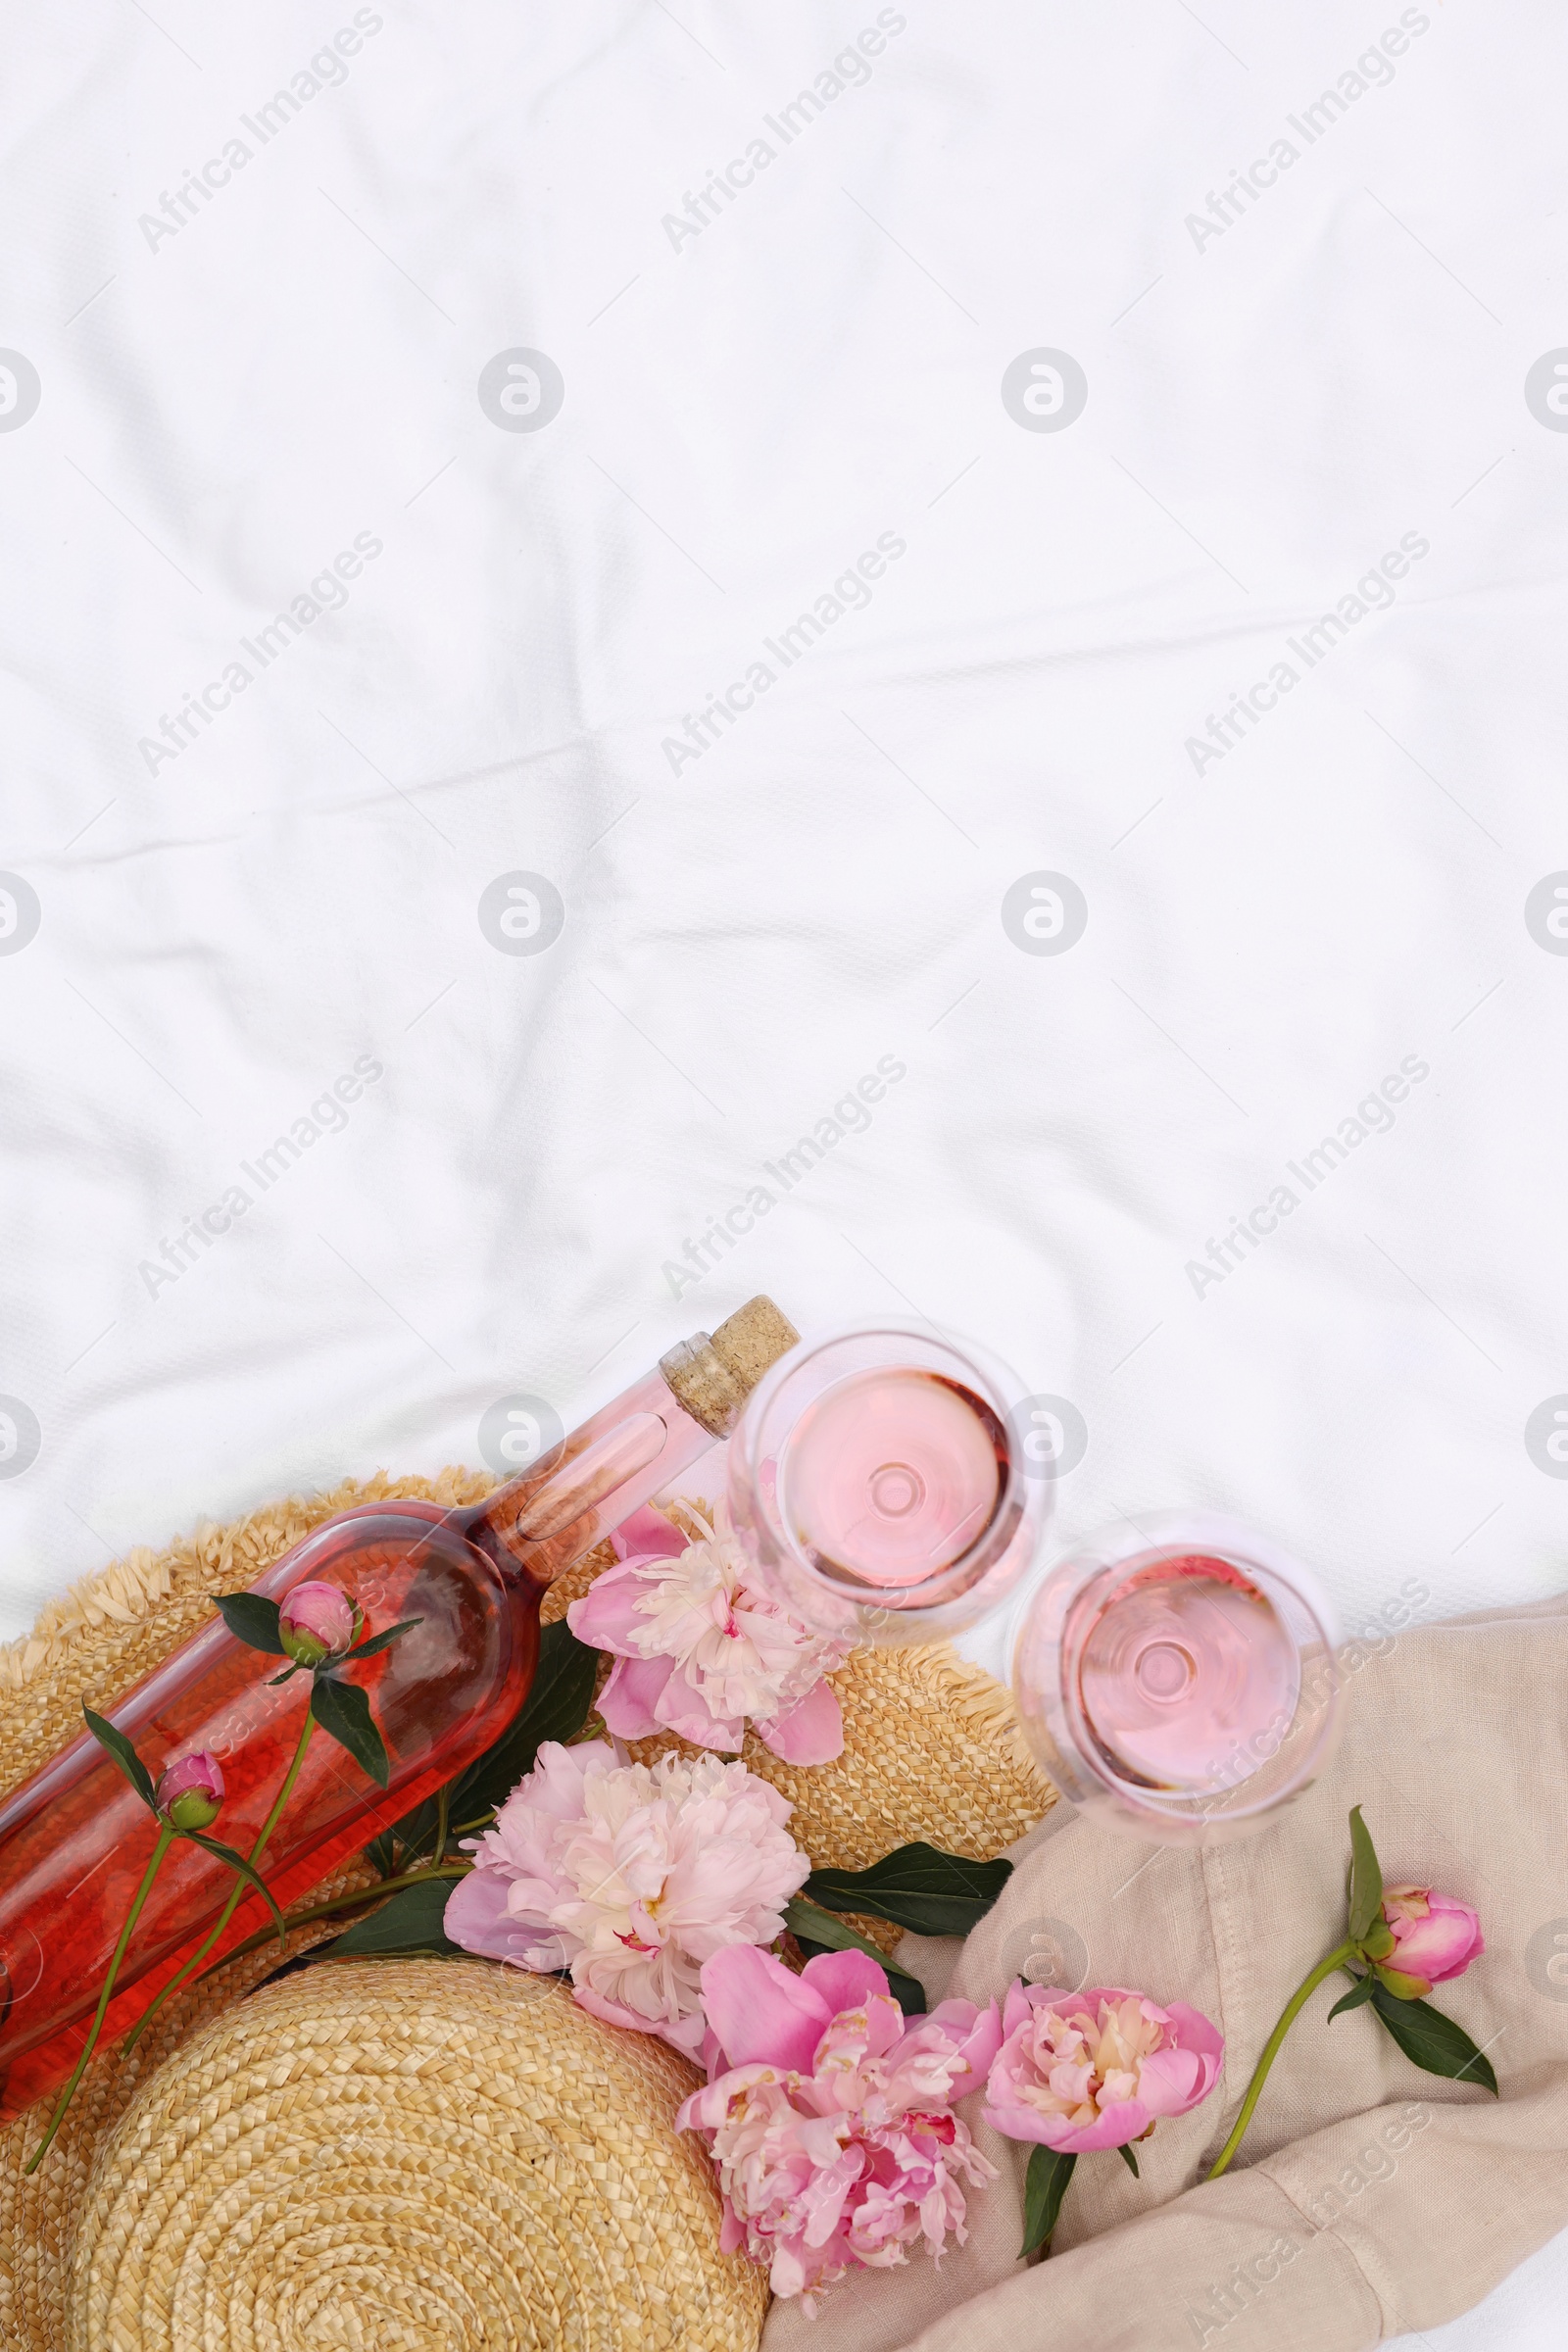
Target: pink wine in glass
874, 1482
1186, 1670
1179, 1678
75, 1840
893, 1474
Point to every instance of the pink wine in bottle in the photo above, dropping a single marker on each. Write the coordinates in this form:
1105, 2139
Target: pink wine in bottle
75, 1840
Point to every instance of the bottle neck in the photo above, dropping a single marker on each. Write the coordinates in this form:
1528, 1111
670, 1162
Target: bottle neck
543, 1521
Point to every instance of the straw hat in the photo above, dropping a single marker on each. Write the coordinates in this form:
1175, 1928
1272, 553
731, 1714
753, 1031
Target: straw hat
419, 2154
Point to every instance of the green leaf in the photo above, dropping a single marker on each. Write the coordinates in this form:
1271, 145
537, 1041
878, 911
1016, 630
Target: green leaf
916, 1886
1128, 2159
557, 1707
1366, 1878
1364, 1989
410, 1921
1434, 2041
116, 1744
819, 1931
287, 1674
252, 1619
343, 1711
367, 1649
1045, 2184
243, 1869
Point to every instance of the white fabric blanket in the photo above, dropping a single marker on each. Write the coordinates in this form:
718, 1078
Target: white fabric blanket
1010, 554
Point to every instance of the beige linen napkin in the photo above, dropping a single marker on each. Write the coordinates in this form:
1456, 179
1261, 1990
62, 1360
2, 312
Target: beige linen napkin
1369, 2199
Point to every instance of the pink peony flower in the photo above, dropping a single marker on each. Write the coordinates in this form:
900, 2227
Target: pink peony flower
630, 1877
832, 2125
315, 1621
1433, 1938
699, 1650
1079, 2071
190, 1793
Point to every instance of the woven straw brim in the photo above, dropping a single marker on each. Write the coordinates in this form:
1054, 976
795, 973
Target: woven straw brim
931, 1750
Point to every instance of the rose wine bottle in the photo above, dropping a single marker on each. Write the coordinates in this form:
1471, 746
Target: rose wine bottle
75, 1840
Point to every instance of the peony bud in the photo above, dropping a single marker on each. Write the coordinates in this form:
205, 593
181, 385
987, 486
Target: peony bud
190, 1793
1433, 1938
315, 1622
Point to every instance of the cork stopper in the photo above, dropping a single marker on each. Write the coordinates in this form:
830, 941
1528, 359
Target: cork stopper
713, 1376
753, 1338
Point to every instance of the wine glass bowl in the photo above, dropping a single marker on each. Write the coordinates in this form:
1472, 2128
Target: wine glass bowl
1178, 1677
875, 1482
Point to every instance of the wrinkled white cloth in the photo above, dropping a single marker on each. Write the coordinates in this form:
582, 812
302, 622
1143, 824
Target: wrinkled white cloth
270, 273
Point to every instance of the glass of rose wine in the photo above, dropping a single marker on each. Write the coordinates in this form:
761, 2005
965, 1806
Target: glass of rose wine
1178, 1678
875, 1481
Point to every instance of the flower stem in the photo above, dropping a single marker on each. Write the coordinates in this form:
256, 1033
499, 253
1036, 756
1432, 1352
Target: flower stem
166, 1838
239, 1889
346, 1902
1271, 2049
